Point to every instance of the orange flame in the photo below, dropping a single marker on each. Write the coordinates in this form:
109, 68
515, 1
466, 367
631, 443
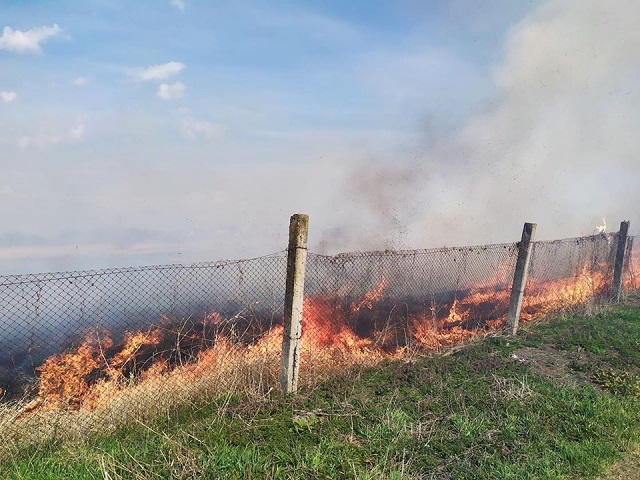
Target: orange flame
64, 377
324, 325
133, 343
370, 298
454, 315
544, 298
632, 278
95, 373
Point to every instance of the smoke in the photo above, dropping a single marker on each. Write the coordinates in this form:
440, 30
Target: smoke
556, 145
385, 190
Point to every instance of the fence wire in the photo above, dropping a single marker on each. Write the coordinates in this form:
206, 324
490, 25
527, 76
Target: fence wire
632, 267
89, 351
565, 273
364, 307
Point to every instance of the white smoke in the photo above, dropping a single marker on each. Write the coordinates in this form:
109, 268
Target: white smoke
557, 145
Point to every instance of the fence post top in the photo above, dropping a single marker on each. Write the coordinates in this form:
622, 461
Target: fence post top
624, 226
298, 230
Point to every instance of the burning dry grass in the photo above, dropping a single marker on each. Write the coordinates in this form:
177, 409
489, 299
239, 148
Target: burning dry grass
223, 370
632, 279
96, 387
546, 298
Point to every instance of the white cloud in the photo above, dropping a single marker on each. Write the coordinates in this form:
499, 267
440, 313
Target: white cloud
42, 140
171, 92
26, 42
179, 4
80, 81
77, 132
191, 129
8, 97
157, 72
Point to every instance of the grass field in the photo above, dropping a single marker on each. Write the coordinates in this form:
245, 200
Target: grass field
562, 400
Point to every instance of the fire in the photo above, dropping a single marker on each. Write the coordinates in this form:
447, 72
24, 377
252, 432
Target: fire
335, 334
134, 342
432, 337
544, 298
271, 342
632, 279
484, 308
64, 377
370, 298
324, 325
481, 310
454, 315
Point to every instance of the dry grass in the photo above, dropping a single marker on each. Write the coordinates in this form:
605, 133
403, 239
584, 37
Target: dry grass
247, 372
225, 371
244, 373
478, 414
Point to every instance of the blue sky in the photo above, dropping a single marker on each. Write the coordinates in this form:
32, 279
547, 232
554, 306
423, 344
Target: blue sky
179, 131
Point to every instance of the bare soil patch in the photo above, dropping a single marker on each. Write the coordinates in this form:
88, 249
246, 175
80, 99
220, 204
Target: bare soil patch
553, 363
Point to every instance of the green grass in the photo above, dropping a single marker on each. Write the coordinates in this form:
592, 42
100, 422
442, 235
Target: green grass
475, 413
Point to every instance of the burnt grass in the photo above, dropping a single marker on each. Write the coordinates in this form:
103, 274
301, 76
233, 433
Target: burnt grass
560, 400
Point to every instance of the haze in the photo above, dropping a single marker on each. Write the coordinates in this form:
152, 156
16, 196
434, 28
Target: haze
148, 132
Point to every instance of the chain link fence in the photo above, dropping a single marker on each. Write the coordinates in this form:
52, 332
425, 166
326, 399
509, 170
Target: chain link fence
569, 272
363, 307
632, 268
85, 351
88, 351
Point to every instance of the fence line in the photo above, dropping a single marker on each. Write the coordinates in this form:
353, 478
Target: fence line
81, 350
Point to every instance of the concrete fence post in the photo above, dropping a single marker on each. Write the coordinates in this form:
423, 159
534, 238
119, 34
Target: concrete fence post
520, 278
293, 302
618, 266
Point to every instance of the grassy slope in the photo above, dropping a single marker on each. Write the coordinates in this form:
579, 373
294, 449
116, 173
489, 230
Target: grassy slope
628, 468
477, 413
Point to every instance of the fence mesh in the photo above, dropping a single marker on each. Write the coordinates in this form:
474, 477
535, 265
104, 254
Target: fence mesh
89, 351
363, 307
568, 272
632, 268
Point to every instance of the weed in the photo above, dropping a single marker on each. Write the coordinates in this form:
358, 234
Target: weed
616, 381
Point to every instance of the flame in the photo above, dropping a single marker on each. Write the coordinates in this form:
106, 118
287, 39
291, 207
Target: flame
434, 333
543, 298
484, 308
432, 337
64, 377
632, 278
370, 298
271, 342
334, 335
324, 325
454, 315
134, 342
